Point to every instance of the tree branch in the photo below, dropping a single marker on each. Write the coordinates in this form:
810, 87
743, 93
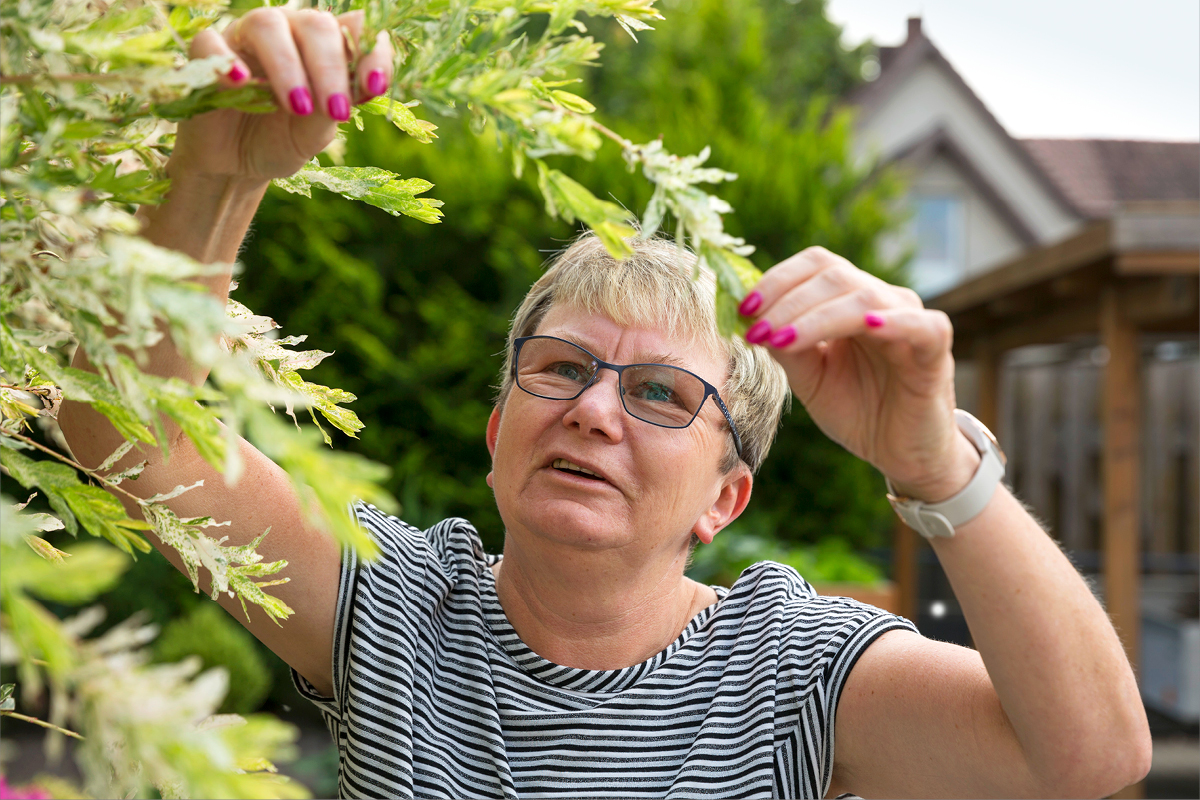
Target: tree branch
598, 127
62, 77
41, 722
75, 464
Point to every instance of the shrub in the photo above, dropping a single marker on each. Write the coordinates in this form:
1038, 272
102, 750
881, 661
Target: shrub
831, 560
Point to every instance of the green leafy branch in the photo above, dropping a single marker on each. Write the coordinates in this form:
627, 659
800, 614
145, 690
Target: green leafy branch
372, 185
513, 89
675, 179
280, 365
511, 85
231, 568
171, 738
8, 709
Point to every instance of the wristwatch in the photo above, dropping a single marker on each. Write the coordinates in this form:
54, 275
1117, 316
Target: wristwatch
940, 519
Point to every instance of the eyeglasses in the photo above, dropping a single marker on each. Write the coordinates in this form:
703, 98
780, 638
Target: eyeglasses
666, 396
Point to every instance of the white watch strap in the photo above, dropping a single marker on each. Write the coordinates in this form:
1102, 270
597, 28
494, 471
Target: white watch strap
940, 519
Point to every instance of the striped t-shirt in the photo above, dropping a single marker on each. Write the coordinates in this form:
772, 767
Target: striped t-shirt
435, 695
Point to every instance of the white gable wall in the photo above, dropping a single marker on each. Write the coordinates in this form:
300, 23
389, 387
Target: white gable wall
928, 99
989, 239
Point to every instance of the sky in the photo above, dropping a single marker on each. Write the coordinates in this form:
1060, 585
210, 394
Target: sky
1114, 69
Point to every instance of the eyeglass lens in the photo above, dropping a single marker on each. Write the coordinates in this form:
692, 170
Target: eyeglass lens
655, 393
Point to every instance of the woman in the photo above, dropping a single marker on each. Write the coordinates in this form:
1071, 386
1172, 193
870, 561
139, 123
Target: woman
583, 661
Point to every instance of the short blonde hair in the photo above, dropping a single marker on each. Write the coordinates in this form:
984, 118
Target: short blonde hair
655, 288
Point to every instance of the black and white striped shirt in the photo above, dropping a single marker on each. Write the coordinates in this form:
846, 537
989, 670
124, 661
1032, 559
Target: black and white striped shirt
435, 695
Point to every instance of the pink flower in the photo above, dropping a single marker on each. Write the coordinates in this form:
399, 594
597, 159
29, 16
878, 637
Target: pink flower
21, 793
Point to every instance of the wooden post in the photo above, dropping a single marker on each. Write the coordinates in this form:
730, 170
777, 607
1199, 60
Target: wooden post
1121, 419
1122, 445
987, 365
905, 544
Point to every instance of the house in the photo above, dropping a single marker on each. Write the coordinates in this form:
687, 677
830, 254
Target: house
1070, 270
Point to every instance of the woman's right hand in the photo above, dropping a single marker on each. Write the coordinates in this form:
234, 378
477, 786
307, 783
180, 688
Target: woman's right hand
304, 56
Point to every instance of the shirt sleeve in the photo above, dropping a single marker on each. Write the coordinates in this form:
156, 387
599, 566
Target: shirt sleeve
855, 627
388, 599
330, 707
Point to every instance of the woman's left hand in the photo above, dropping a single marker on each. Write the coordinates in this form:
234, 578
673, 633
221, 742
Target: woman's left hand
871, 365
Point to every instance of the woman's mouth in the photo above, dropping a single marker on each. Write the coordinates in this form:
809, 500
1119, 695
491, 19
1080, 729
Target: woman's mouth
562, 465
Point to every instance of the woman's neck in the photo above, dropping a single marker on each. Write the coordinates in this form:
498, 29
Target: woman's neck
590, 614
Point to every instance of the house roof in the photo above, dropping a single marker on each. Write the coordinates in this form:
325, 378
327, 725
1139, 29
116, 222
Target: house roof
1097, 175
898, 63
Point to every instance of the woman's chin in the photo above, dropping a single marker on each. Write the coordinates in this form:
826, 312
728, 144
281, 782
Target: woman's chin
566, 522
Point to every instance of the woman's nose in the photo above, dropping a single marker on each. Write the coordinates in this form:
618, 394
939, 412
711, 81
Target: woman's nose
598, 410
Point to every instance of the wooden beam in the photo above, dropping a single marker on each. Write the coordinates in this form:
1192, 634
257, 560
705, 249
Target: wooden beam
1092, 244
1153, 301
1044, 327
1068, 320
1159, 262
1164, 303
1121, 418
1078, 283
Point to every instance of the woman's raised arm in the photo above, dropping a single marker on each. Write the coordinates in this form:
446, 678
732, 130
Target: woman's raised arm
1047, 706
221, 166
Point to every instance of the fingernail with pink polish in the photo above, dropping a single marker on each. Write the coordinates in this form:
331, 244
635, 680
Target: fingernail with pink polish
339, 107
783, 337
301, 101
873, 321
376, 82
238, 73
758, 332
752, 303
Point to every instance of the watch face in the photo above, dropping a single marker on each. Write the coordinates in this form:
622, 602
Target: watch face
938, 525
969, 419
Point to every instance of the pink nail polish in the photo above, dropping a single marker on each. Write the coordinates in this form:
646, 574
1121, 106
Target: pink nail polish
752, 303
758, 332
339, 107
376, 83
783, 337
301, 101
237, 73
873, 321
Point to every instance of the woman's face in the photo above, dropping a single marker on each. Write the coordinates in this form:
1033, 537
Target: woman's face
658, 484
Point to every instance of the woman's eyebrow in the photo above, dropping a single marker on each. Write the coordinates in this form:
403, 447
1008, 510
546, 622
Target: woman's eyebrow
663, 358
644, 358
575, 340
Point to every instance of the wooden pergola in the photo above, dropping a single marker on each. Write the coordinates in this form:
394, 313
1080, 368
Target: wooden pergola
1138, 272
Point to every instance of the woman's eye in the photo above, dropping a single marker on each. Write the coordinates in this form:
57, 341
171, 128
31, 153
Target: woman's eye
572, 372
656, 393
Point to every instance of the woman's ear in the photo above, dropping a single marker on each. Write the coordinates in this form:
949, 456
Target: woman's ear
493, 433
729, 505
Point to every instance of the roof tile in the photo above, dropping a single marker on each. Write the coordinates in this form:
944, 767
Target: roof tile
1096, 175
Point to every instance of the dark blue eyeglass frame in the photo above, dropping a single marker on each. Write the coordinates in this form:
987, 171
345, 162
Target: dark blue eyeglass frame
709, 389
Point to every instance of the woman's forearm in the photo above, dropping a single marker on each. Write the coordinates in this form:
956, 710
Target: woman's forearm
207, 219
204, 217
1054, 658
